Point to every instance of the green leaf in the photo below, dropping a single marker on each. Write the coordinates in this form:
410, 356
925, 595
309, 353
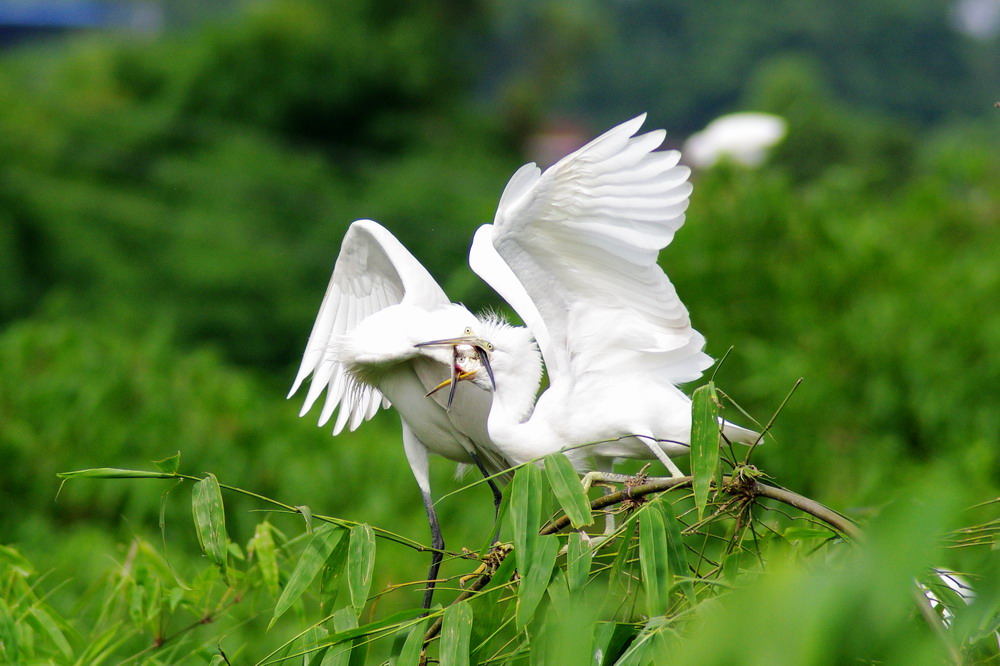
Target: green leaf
307, 515
114, 473
343, 620
50, 627
676, 552
456, 630
391, 621
360, 563
525, 512
210, 520
262, 545
578, 560
566, 633
612, 639
311, 638
8, 633
10, 557
654, 560
565, 483
704, 443
169, 465
795, 533
163, 508
621, 566
333, 573
410, 654
643, 649
533, 584
315, 555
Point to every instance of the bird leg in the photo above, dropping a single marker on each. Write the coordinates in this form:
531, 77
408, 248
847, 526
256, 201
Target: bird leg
605, 479
497, 495
601, 478
675, 471
437, 542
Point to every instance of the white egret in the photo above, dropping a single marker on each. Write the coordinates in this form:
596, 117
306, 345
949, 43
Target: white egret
573, 250
743, 138
380, 301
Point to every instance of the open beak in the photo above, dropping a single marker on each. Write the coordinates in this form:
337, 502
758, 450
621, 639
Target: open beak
452, 381
478, 344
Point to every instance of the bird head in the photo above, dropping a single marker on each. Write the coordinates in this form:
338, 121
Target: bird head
470, 359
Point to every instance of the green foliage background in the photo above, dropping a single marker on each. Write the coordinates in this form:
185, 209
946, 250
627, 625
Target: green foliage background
170, 211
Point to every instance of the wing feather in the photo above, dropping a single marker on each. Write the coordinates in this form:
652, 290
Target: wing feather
582, 239
373, 271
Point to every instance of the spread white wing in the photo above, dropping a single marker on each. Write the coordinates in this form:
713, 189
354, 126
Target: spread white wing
582, 240
373, 272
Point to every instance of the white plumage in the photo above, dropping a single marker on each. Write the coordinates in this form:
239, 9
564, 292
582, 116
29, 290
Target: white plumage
380, 302
743, 138
573, 250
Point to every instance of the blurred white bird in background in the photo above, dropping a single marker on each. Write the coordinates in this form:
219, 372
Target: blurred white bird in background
743, 138
573, 250
379, 303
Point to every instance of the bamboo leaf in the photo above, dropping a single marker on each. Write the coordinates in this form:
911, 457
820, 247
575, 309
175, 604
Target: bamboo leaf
9, 633
262, 545
314, 636
704, 442
333, 573
623, 557
10, 557
612, 639
676, 552
578, 560
394, 620
456, 630
525, 512
410, 654
654, 560
534, 582
315, 555
566, 486
51, 627
307, 515
169, 465
360, 563
642, 650
163, 508
114, 473
210, 520
344, 620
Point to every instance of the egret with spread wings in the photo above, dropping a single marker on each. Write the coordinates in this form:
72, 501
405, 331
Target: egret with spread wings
574, 251
379, 303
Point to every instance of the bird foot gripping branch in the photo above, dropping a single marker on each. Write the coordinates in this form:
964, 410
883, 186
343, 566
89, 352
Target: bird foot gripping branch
744, 481
631, 503
491, 561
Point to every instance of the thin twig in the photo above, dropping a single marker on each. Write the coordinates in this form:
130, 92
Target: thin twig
476, 586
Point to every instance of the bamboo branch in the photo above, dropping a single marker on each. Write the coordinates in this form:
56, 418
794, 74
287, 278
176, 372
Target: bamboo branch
731, 485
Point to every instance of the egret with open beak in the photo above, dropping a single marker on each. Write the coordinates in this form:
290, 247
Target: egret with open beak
470, 353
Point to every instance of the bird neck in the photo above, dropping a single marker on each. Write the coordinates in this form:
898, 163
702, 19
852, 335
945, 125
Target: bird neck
510, 423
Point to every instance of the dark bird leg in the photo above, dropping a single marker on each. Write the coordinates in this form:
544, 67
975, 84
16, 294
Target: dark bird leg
416, 455
437, 542
497, 495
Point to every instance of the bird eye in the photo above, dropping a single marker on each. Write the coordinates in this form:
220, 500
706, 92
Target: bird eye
468, 330
489, 346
